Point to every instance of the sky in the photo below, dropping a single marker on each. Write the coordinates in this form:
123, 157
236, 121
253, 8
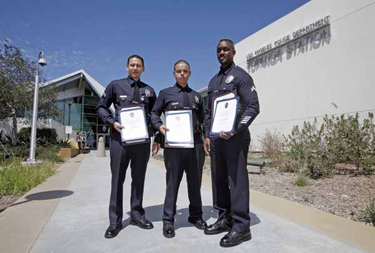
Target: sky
99, 36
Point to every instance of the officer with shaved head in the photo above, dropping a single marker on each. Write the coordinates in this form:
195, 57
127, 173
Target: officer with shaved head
178, 160
228, 152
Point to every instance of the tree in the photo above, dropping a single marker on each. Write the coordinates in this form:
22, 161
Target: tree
17, 76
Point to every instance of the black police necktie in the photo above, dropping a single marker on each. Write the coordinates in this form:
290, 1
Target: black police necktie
217, 84
136, 92
186, 98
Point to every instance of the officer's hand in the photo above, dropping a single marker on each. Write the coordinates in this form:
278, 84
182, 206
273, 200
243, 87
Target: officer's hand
118, 127
163, 129
207, 146
225, 136
155, 148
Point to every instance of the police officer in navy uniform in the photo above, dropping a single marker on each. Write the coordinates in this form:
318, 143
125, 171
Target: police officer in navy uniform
177, 160
229, 151
126, 92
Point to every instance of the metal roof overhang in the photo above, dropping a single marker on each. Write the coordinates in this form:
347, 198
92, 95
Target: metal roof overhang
61, 82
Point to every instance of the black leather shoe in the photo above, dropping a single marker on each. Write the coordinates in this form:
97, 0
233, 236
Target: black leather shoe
142, 223
198, 223
222, 225
234, 238
112, 231
168, 230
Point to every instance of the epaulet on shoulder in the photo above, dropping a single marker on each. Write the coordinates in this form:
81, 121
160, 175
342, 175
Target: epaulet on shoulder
169, 87
162, 90
241, 70
148, 86
238, 68
118, 80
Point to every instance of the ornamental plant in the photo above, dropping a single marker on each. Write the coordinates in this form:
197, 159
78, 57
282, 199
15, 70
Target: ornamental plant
342, 139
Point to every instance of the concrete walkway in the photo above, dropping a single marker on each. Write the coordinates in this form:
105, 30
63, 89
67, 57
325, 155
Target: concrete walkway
69, 213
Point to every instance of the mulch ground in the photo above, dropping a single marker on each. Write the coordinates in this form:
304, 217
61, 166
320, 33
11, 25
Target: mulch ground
8, 200
343, 195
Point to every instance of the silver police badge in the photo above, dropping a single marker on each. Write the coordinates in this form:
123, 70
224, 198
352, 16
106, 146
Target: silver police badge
147, 92
196, 99
229, 79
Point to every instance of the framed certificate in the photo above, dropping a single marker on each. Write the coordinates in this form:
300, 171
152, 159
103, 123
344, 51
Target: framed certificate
135, 130
216, 99
180, 125
224, 116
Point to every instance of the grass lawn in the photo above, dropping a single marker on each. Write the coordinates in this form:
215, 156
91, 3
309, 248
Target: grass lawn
16, 179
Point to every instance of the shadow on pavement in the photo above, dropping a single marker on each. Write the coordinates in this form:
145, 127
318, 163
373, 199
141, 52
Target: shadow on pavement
154, 214
45, 196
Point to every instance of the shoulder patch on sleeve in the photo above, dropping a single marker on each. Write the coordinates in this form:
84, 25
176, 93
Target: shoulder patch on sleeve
253, 88
245, 119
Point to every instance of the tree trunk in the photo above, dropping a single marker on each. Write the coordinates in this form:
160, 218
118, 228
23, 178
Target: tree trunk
14, 130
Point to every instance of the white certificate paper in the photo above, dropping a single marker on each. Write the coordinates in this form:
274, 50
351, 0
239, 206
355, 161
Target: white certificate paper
224, 116
180, 125
218, 99
133, 119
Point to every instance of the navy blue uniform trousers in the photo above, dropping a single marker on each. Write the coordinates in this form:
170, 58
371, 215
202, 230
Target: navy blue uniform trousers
230, 182
137, 155
178, 160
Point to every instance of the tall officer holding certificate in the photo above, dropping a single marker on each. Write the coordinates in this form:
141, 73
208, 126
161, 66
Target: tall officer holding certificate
128, 94
228, 150
183, 110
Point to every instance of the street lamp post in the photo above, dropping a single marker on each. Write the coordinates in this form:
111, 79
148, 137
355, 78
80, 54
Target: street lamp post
41, 62
69, 102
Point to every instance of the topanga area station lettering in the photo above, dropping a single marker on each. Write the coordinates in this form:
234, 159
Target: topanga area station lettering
286, 39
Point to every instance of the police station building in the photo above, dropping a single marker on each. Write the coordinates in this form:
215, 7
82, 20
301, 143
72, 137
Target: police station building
317, 60
78, 95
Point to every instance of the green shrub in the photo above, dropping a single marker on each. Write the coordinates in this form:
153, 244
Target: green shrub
22, 151
337, 140
44, 136
350, 141
301, 179
285, 163
301, 172
63, 144
46, 153
49, 153
272, 145
308, 145
16, 178
368, 214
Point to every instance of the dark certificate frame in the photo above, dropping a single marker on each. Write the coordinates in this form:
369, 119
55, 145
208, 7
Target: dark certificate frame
140, 140
234, 120
182, 144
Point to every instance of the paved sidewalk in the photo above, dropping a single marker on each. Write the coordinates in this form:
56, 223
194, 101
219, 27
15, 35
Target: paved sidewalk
79, 221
